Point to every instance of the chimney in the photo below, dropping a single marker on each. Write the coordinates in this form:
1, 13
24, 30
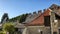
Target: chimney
44, 9
39, 12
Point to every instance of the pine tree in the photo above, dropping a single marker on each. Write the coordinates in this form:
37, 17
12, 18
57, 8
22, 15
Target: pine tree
5, 18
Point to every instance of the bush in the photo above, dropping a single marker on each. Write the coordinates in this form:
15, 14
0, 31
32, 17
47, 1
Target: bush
9, 27
2, 32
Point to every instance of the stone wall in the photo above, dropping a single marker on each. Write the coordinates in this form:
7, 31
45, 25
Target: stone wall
38, 30
47, 30
58, 23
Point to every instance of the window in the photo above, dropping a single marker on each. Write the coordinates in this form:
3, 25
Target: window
41, 32
47, 20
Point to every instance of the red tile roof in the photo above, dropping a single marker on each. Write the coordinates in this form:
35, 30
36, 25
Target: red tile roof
40, 19
47, 12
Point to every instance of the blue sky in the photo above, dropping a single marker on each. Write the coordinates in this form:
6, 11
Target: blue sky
18, 7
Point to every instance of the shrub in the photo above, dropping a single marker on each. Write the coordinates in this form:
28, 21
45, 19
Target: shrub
2, 32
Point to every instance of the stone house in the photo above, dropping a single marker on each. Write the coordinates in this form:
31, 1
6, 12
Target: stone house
47, 22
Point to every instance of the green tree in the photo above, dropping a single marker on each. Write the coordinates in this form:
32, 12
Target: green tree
23, 18
20, 18
2, 32
4, 17
9, 27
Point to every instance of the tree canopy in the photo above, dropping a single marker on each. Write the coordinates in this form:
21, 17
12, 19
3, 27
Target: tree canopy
4, 17
20, 18
9, 27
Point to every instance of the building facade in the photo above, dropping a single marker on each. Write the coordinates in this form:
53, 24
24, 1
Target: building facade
47, 22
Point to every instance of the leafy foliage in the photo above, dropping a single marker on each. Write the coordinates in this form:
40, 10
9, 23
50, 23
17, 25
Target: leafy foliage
23, 18
9, 27
2, 32
20, 18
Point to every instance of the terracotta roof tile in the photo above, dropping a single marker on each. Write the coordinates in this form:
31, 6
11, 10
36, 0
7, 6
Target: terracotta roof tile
47, 12
40, 19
